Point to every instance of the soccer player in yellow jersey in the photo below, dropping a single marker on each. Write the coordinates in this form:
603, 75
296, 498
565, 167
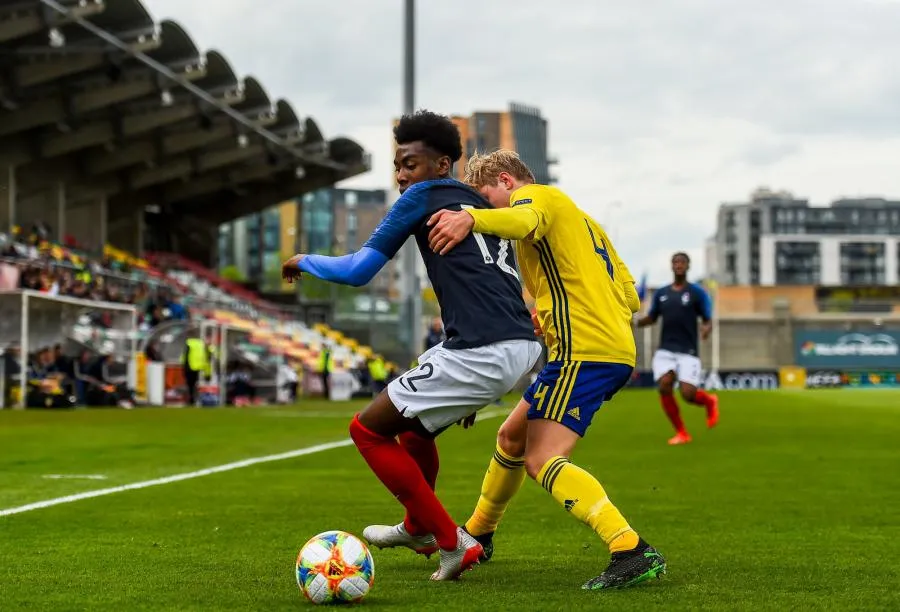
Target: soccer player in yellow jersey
585, 299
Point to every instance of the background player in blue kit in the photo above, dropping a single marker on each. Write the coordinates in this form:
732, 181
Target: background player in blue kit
679, 305
490, 342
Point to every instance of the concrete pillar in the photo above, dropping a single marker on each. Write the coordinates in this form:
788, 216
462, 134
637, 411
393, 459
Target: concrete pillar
11, 197
60, 211
37, 207
139, 231
85, 221
104, 222
767, 261
891, 264
830, 256
783, 336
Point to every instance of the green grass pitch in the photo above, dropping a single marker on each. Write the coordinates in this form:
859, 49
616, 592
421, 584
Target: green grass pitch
792, 503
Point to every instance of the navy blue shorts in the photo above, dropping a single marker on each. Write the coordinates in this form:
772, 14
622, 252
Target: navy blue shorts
571, 392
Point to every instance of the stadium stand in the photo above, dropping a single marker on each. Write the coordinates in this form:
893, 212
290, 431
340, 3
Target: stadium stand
118, 130
169, 306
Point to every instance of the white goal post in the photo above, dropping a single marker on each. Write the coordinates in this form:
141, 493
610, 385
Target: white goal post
227, 339
32, 320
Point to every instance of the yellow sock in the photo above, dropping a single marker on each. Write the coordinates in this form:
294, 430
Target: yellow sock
584, 497
502, 481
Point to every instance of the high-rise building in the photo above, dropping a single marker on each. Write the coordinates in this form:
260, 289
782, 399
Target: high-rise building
520, 128
333, 221
776, 239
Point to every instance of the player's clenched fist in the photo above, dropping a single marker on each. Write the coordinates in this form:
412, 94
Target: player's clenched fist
290, 269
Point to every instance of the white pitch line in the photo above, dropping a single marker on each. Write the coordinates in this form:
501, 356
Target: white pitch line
490, 414
75, 476
309, 450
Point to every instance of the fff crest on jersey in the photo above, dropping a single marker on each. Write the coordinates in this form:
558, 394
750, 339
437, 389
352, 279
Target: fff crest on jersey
685, 298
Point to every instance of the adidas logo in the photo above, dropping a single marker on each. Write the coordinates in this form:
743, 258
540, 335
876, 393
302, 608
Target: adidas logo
569, 504
575, 413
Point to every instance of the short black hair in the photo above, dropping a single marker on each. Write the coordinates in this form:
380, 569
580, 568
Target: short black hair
436, 131
687, 257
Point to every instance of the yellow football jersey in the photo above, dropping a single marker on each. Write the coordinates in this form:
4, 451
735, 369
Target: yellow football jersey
573, 272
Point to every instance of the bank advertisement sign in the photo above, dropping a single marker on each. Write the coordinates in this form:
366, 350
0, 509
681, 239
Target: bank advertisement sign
836, 349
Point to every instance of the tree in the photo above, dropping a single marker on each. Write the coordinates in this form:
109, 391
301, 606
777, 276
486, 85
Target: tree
233, 274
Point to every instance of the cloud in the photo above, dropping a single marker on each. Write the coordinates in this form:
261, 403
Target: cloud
669, 107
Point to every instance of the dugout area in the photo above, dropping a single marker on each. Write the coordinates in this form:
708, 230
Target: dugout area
118, 129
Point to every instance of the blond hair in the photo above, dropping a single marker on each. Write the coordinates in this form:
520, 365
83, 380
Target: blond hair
484, 170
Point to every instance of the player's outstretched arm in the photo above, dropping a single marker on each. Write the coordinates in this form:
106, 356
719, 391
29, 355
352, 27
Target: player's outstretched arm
359, 268
355, 269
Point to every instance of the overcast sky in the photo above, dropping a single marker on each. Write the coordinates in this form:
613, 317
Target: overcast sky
658, 110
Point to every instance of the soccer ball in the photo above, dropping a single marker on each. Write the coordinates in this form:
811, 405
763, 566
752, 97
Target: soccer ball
335, 567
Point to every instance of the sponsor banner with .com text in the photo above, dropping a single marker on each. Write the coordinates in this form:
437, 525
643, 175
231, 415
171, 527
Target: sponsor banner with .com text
844, 350
717, 380
740, 380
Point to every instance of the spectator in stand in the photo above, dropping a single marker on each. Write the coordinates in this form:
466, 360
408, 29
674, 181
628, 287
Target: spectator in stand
393, 372
177, 310
435, 334
81, 370
98, 389
65, 366
45, 385
287, 379
80, 289
377, 374
326, 365
155, 315
152, 352
11, 370
239, 388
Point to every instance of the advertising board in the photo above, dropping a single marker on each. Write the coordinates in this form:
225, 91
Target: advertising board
823, 349
824, 379
741, 380
792, 377
717, 380
871, 380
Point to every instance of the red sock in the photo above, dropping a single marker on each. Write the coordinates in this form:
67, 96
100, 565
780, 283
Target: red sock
424, 453
670, 407
702, 398
399, 473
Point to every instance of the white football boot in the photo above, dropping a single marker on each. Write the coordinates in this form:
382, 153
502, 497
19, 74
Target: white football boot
464, 557
392, 536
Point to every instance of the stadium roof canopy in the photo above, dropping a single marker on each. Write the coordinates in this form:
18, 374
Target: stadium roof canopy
96, 95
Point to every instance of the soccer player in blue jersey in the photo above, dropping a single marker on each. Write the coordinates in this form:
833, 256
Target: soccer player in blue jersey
679, 305
490, 342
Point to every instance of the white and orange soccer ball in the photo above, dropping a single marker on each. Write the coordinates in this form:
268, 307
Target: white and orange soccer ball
335, 567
